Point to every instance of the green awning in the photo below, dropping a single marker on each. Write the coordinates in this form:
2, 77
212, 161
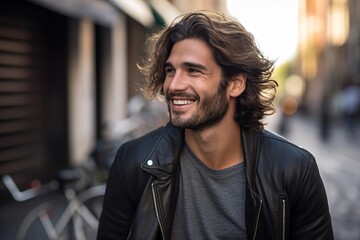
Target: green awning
164, 11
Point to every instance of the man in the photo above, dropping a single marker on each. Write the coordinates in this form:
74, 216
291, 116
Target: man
213, 172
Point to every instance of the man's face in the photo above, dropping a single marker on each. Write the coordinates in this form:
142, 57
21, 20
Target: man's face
195, 97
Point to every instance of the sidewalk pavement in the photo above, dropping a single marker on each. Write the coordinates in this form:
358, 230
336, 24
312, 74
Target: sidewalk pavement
339, 164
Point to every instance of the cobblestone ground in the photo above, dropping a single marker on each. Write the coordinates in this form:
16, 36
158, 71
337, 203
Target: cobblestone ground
339, 164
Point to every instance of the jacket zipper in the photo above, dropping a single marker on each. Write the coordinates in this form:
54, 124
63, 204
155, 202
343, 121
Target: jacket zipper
283, 219
257, 219
157, 210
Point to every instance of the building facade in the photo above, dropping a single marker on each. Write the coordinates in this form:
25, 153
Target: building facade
66, 69
329, 50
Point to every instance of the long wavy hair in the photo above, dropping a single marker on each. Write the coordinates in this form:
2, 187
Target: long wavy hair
233, 48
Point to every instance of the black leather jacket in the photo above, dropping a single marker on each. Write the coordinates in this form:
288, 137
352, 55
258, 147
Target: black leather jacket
285, 197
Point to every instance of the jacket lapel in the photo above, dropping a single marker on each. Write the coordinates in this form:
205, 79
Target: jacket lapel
164, 165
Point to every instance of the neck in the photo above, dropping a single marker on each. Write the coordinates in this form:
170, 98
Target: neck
218, 147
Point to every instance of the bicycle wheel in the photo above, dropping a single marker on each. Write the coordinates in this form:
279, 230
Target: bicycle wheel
38, 224
77, 219
86, 217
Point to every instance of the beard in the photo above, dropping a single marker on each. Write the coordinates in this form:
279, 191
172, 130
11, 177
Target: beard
210, 112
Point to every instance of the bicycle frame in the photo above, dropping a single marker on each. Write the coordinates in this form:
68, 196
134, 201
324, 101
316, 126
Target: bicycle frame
21, 196
75, 205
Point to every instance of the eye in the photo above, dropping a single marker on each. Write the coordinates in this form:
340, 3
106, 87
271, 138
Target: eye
193, 71
169, 70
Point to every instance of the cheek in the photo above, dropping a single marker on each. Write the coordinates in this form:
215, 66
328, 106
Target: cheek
165, 85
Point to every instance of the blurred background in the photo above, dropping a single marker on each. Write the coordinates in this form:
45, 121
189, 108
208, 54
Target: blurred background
69, 82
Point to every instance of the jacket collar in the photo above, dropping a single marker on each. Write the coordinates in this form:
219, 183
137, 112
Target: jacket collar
250, 141
163, 159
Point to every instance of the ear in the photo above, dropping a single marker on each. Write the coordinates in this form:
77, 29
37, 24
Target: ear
237, 85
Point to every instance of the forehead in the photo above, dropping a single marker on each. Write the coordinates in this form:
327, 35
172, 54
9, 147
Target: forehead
191, 50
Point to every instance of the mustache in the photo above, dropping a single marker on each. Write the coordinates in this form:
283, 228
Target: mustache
188, 95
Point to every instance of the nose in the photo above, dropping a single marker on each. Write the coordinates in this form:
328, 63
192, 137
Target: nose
177, 82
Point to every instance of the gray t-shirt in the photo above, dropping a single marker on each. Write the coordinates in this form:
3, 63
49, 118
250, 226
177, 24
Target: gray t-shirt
211, 203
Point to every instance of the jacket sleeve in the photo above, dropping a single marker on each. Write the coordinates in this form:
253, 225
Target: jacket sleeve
310, 212
117, 213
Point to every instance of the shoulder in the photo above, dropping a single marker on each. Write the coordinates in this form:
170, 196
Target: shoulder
282, 150
125, 172
134, 151
283, 161
161, 142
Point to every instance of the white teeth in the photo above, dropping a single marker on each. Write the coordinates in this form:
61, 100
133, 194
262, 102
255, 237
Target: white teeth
182, 102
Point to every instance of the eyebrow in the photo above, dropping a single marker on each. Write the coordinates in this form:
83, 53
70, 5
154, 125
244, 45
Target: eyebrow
195, 65
167, 64
189, 64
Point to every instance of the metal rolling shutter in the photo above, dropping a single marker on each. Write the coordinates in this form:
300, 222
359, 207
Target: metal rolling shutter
22, 94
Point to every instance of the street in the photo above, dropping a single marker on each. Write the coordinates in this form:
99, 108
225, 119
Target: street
339, 163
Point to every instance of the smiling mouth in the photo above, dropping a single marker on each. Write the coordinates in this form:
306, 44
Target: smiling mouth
182, 102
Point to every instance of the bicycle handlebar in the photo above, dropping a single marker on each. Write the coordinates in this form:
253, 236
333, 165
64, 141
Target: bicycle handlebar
21, 196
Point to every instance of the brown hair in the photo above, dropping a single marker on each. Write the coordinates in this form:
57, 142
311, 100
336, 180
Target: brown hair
234, 49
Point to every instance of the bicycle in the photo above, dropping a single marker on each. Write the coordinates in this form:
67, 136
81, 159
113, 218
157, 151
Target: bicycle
78, 220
